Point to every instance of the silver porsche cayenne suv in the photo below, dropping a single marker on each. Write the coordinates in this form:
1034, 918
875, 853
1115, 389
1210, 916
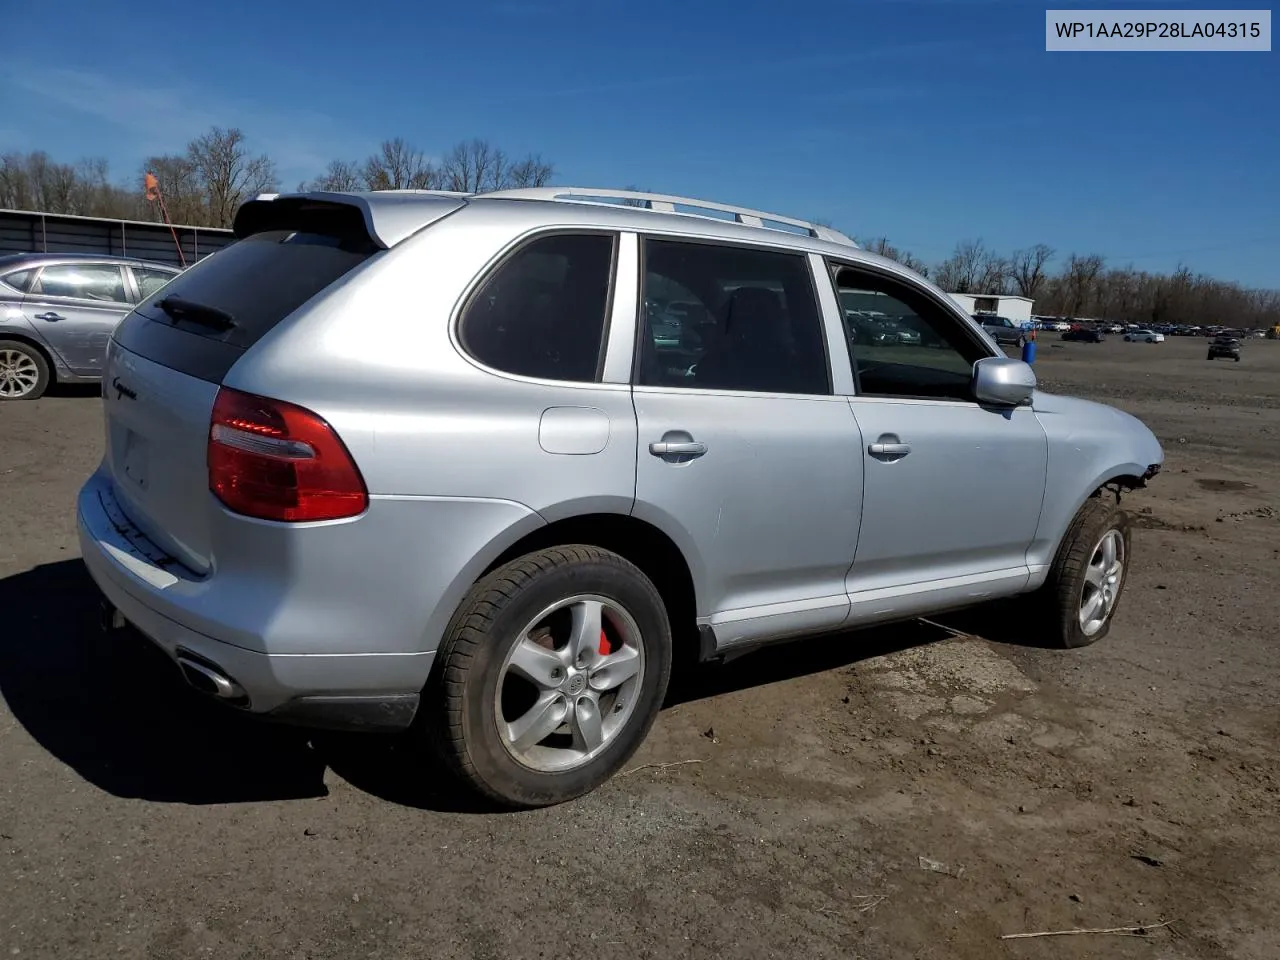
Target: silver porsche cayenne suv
480, 467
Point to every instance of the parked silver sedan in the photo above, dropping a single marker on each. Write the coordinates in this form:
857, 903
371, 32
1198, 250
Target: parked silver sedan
57, 312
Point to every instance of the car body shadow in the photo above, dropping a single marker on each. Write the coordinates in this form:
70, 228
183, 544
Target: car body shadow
115, 709
92, 390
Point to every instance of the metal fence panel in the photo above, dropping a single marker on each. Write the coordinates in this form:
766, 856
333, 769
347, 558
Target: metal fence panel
26, 231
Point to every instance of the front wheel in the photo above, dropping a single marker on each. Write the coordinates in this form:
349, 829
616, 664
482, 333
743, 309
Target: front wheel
550, 677
1082, 592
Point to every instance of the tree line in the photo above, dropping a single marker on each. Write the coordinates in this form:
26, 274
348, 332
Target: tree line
204, 185
1086, 286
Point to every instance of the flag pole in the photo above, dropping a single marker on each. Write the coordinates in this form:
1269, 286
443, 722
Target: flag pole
152, 184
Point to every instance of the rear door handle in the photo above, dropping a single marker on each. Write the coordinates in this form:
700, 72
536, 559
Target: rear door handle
667, 448
889, 449
50, 316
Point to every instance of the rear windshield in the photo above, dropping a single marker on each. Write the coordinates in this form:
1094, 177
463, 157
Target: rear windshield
206, 317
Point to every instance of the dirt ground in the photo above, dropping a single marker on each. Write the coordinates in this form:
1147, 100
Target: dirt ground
898, 793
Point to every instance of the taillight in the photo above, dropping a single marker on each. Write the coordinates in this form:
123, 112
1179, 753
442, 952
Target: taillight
276, 461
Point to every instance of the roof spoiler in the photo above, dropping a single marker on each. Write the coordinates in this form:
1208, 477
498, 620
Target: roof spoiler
386, 218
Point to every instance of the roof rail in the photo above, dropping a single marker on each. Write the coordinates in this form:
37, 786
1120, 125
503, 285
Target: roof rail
426, 193
667, 204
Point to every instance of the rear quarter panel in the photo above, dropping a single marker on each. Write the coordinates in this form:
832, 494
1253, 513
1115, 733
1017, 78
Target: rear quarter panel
14, 324
428, 426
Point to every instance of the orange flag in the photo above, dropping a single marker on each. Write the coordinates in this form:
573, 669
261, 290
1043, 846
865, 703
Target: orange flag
152, 185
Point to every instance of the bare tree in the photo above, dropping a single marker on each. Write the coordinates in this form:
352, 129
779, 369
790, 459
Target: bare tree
882, 246
181, 188
1027, 268
993, 274
341, 176
912, 262
399, 166
1081, 277
229, 174
532, 171
15, 186
473, 166
962, 271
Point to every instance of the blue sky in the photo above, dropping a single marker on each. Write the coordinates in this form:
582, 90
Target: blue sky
927, 121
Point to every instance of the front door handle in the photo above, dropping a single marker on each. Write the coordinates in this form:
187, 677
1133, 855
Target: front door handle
889, 449
667, 448
51, 316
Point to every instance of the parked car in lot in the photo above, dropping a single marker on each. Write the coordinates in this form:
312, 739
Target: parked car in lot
1144, 336
1003, 330
424, 462
57, 312
1228, 347
1084, 335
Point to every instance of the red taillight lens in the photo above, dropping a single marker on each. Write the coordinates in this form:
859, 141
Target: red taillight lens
276, 461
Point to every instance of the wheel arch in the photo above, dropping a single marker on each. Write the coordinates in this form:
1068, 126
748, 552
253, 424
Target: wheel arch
636, 540
1118, 478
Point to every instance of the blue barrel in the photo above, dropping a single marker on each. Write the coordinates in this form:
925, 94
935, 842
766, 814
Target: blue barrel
1028, 351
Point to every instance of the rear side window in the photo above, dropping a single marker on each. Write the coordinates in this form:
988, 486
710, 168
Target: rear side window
19, 279
542, 313
203, 319
149, 281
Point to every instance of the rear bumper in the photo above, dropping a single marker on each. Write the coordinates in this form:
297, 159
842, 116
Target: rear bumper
346, 690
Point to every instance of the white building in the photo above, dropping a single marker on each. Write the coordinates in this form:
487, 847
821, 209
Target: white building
1017, 309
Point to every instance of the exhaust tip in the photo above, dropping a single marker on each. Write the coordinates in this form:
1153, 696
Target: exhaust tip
210, 680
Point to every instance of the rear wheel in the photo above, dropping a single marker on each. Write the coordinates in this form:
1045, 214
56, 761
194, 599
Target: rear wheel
24, 373
1081, 595
550, 676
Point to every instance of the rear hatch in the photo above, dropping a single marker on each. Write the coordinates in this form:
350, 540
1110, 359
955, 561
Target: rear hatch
169, 356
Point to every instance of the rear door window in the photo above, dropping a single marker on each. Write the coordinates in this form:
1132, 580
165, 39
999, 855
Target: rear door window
202, 320
98, 282
724, 317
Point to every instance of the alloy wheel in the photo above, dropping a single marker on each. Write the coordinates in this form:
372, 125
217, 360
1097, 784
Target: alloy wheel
1102, 581
569, 684
18, 374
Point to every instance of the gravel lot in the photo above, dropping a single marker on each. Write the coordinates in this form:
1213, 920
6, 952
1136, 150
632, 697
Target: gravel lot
905, 792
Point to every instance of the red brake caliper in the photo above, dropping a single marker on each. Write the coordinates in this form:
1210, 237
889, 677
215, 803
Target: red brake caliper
606, 648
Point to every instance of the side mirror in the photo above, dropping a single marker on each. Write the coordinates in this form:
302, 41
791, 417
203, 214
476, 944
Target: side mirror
1003, 382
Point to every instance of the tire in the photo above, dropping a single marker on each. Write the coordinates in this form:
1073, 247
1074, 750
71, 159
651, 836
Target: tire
1062, 597
1211, 356
478, 698
24, 372
1020, 341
